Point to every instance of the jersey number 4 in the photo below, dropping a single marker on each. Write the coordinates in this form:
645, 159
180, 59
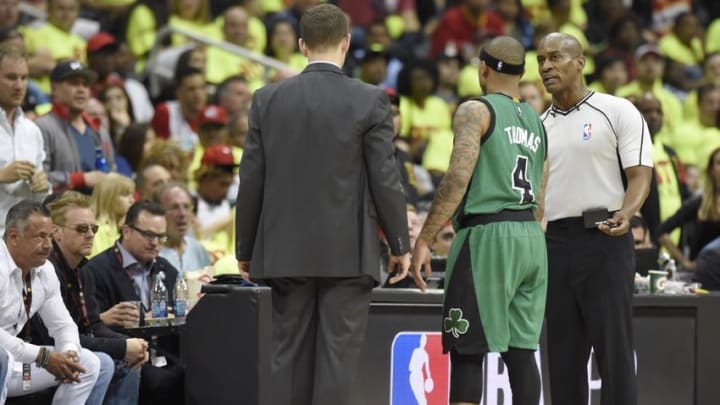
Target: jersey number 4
520, 180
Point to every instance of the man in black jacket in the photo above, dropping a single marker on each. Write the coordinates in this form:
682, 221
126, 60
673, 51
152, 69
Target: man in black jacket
75, 227
125, 272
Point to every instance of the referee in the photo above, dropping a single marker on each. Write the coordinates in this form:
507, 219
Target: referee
599, 172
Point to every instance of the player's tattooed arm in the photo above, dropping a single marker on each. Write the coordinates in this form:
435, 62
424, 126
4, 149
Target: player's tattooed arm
472, 119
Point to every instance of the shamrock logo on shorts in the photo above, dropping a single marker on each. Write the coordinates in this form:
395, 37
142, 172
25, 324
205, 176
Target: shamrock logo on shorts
455, 323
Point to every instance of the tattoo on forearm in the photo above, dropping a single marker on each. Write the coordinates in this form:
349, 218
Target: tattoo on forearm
469, 124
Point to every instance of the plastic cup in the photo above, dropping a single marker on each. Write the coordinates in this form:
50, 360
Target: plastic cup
138, 308
657, 281
674, 287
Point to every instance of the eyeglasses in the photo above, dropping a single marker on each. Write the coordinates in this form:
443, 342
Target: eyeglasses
82, 229
149, 236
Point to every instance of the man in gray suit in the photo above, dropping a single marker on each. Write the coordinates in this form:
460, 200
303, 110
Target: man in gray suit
317, 179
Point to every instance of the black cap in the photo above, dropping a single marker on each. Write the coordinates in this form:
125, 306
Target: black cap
67, 69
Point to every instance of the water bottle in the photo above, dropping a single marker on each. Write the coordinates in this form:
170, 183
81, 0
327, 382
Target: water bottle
672, 270
159, 298
100, 162
181, 298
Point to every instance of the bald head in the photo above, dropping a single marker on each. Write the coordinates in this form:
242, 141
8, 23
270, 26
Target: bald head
562, 42
506, 49
560, 63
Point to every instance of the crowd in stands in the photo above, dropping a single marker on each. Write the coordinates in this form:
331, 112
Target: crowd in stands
113, 110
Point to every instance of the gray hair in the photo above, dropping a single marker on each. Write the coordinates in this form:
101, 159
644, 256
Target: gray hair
19, 214
157, 196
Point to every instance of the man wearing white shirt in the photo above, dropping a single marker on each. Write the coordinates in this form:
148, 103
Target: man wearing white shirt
21, 142
28, 285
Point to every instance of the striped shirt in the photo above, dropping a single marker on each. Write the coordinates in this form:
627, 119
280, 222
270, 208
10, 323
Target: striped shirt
587, 147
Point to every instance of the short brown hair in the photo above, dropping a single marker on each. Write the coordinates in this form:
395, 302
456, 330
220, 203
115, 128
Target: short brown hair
323, 26
12, 52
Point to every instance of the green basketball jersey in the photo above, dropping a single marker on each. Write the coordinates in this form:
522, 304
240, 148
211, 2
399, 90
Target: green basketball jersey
509, 170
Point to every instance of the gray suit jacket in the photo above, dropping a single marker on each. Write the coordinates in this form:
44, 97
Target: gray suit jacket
317, 179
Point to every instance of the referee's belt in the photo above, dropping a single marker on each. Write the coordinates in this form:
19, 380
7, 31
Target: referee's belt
471, 220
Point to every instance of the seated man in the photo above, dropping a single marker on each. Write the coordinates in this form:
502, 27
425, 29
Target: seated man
149, 179
182, 250
75, 225
28, 285
640, 232
71, 139
707, 266
125, 272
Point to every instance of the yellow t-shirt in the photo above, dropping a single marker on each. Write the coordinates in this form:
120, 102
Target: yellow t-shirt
222, 64
539, 11
297, 62
597, 87
140, 35
712, 36
532, 73
672, 109
105, 237
438, 151
61, 45
222, 243
694, 142
667, 185
271, 6
209, 30
257, 34
432, 122
671, 47
468, 84
690, 106
572, 29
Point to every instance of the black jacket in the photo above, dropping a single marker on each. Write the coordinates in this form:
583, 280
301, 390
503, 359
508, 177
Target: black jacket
113, 284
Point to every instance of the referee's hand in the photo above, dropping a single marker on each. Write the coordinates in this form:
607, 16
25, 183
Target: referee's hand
618, 225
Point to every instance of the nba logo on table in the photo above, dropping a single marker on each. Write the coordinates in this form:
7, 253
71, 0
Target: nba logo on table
419, 371
587, 131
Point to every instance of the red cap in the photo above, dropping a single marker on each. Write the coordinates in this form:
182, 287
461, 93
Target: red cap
218, 155
213, 114
100, 41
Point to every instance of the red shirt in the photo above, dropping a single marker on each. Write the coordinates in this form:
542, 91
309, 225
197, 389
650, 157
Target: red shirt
457, 25
362, 13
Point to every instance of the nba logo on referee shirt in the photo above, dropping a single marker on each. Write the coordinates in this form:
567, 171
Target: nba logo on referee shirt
587, 131
419, 371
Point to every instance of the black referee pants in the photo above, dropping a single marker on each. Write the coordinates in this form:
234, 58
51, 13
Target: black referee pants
589, 304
